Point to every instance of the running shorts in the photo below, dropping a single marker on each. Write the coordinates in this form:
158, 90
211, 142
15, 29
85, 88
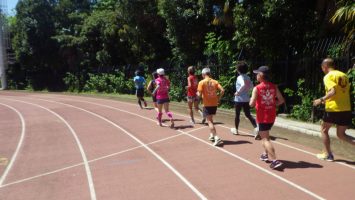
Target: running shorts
209, 110
338, 118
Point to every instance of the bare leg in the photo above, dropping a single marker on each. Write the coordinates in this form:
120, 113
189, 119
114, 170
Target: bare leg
160, 114
197, 109
268, 147
325, 136
189, 103
170, 114
341, 135
211, 125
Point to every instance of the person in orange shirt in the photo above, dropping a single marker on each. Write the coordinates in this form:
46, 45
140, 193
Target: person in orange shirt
207, 88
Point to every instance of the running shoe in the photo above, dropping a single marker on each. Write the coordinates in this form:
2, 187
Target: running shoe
218, 142
325, 156
264, 157
211, 138
203, 121
192, 122
234, 131
275, 164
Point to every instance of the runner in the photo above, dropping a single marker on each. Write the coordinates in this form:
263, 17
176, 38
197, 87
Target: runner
192, 98
139, 82
243, 86
265, 97
162, 95
337, 106
207, 88
150, 88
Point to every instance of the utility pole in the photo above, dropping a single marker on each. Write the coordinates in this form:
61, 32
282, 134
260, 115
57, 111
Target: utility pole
3, 44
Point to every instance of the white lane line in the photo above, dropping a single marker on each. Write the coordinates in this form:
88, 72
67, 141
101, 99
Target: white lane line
258, 167
19, 144
193, 188
225, 151
96, 159
82, 152
295, 148
131, 104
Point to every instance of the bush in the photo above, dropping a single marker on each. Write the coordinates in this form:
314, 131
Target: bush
108, 83
72, 82
302, 111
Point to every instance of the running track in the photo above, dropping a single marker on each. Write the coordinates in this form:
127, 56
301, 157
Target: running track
72, 147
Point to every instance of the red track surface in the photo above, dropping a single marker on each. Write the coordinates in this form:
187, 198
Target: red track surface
129, 157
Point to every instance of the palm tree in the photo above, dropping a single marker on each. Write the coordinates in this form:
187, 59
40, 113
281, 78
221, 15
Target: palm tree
346, 14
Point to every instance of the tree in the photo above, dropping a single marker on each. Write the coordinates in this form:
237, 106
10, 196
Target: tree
35, 49
346, 14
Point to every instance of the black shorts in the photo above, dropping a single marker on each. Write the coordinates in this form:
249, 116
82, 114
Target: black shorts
265, 126
209, 110
338, 118
162, 101
154, 99
140, 92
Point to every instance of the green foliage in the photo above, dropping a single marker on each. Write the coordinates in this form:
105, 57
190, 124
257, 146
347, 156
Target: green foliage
217, 47
336, 51
108, 83
345, 14
302, 111
228, 83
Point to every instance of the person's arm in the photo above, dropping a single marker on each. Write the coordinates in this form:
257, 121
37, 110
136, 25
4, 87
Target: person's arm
188, 83
199, 89
321, 100
254, 95
280, 99
221, 92
330, 86
149, 87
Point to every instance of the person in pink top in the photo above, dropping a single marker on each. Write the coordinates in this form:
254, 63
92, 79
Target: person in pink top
192, 98
265, 97
162, 95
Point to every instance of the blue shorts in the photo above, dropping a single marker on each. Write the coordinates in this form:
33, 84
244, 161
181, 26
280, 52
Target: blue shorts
162, 101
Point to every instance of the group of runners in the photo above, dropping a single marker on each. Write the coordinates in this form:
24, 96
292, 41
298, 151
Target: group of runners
265, 97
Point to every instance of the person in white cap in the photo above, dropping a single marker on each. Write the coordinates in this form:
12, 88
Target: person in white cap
162, 95
207, 88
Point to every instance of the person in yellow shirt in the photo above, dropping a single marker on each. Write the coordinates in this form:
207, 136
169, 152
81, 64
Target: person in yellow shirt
208, 88
337, 106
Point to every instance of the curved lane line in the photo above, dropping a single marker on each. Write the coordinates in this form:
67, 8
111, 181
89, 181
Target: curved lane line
82, 152
193, 188
96, 159
223, 150
131, 104
14, 156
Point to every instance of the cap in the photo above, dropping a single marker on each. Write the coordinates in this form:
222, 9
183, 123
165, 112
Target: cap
206, 70
263, 69
161, 71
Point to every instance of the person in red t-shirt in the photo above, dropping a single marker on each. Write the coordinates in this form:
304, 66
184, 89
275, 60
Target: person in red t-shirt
192, 98
265, 97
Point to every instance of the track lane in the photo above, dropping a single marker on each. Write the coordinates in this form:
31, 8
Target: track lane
9, 131
81, 104
70, 110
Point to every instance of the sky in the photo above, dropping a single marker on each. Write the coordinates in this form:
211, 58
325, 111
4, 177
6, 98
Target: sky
11, 4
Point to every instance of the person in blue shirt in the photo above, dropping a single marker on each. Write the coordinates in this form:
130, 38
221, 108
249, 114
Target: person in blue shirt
139, 82
243, 87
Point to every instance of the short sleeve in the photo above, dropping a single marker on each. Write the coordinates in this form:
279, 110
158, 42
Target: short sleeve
329, 82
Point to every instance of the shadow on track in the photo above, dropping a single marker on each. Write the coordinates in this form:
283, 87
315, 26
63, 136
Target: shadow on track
297, 165
345, 161
228, 142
